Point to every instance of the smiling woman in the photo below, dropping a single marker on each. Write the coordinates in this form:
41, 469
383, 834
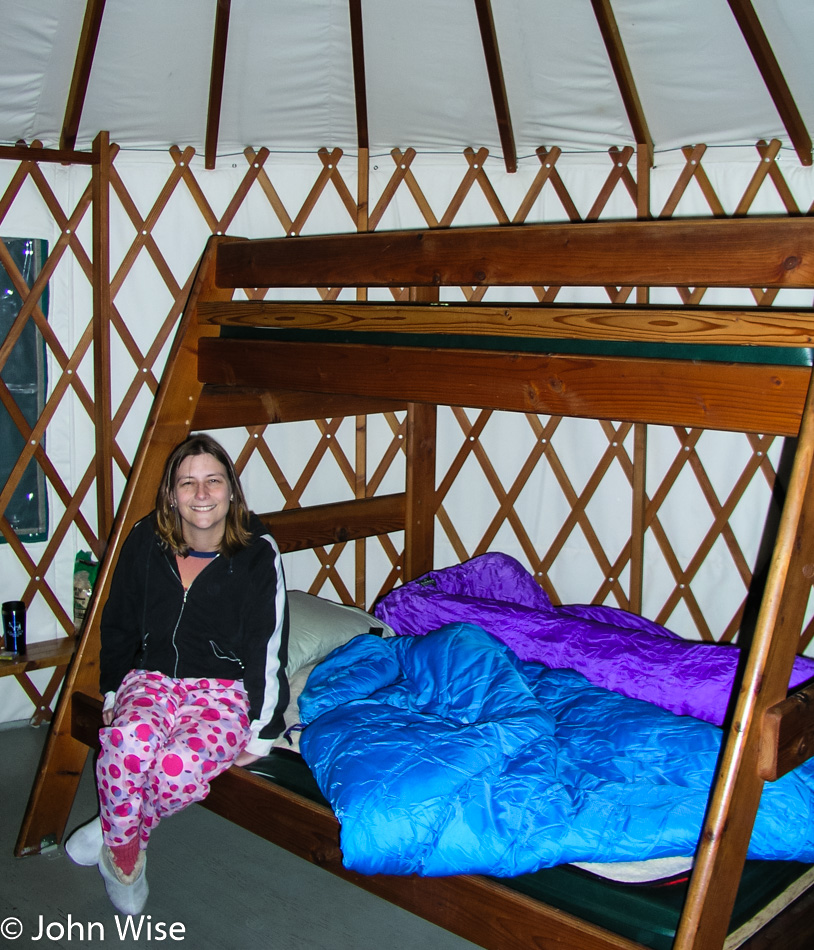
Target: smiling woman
194, 644
200, 504
202, 497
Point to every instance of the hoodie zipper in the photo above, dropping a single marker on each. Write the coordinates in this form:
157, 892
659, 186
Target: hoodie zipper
175, 630
186, 590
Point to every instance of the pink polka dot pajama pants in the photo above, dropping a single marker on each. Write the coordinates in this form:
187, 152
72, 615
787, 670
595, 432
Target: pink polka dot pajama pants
169, 739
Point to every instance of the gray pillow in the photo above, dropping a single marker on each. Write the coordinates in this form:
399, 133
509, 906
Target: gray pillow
317, 626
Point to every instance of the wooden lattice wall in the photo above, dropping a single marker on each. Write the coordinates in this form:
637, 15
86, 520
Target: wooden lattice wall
126, 235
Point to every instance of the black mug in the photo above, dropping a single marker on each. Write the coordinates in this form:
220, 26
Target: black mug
14, 626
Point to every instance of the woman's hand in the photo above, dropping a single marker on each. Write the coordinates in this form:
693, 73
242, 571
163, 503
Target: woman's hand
108, 708
246, 758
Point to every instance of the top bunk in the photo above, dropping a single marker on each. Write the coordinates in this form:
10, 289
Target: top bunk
726, 367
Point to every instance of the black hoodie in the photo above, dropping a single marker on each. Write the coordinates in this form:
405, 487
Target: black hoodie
231, 623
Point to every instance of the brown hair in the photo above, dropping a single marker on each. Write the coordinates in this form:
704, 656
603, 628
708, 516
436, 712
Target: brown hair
236, 534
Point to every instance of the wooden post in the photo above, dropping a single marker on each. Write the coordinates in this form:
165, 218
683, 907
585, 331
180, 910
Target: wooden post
362, 224
644, 162
360, 491
102, 304
637, 520
419, 526
736, 793
419, 541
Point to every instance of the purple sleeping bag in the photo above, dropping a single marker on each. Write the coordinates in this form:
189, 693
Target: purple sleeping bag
611, 647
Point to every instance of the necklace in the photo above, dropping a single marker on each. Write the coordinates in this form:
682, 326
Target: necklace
207, 554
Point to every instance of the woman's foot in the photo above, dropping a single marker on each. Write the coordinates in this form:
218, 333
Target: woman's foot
84, 846
127, 892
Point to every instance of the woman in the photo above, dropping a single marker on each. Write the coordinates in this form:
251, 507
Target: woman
192, 664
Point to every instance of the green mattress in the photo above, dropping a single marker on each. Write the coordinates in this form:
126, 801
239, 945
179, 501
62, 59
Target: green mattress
647, 913
717, 353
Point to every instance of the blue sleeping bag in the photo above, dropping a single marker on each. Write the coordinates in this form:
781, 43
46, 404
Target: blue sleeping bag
446, 754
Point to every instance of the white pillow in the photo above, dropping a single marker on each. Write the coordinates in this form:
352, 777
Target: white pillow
317, 626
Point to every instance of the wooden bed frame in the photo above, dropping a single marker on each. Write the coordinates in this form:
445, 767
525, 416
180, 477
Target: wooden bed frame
215, 378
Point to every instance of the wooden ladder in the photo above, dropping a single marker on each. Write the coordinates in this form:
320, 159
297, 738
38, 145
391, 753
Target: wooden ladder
64, 756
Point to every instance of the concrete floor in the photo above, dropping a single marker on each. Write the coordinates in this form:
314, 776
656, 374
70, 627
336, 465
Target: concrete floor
221, 886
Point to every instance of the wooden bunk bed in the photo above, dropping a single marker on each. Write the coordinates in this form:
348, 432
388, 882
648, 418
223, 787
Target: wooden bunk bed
222, 373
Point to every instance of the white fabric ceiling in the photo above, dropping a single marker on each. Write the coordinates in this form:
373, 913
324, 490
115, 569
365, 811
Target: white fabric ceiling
289, 83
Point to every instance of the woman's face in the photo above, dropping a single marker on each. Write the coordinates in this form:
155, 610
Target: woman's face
202, 495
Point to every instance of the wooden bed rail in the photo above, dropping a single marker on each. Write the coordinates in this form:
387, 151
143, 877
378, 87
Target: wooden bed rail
709, 252
787, 737
747, 397
222, 407
298, 529
719, 326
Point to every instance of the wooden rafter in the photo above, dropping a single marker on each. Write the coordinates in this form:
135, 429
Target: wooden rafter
491, 51
359, 81
81, 72
216, 82
609, 29
767, 64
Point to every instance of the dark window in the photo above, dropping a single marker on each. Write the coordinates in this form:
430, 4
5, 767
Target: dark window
24, 377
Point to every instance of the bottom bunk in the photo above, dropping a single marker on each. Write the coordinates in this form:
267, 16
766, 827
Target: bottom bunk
646, 912
562, 907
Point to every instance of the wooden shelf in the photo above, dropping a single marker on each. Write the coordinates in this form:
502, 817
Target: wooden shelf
55, 653
39, 656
